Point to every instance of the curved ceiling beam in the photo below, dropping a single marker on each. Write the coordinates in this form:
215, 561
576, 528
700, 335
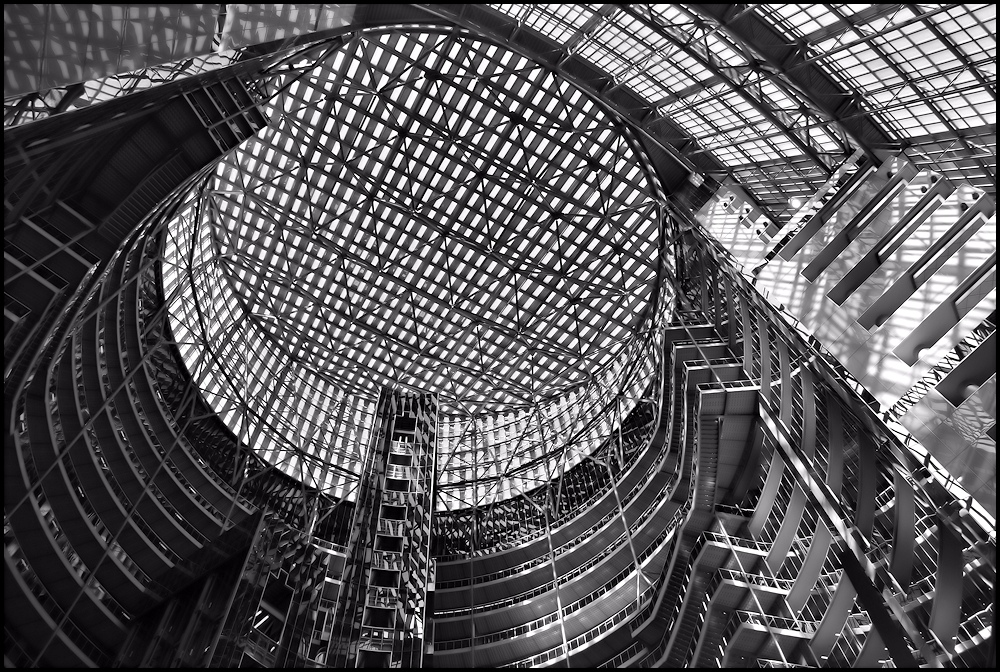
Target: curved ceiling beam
642, 116
929, 100
743, 80
748, 81
811, 81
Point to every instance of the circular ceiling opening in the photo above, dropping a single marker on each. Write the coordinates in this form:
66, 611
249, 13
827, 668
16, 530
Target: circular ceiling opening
425, 210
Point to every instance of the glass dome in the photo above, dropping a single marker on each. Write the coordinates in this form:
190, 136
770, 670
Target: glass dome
431, 211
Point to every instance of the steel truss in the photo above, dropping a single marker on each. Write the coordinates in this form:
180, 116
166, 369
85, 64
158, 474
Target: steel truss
430, 211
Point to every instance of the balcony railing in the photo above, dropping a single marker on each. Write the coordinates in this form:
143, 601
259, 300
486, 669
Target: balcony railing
576, 571
607, 624
399, 471
394, 528
376, 640
387, 560
51, 607
383, 597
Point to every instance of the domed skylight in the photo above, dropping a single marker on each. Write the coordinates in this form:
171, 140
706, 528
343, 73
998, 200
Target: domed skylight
425, 210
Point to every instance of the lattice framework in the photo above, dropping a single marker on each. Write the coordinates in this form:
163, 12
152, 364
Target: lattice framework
430, 211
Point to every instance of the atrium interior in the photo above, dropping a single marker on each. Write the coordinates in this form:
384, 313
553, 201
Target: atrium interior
500, 335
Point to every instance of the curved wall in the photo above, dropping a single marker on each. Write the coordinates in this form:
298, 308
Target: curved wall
770, 518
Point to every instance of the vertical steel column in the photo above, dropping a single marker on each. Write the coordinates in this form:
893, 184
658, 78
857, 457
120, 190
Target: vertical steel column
350, 608
382, 616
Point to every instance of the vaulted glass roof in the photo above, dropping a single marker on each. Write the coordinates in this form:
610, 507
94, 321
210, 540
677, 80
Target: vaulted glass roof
926, 75
431, 211
415, 180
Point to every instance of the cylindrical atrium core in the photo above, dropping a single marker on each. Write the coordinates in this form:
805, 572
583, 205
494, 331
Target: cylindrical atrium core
434, 212
500, 335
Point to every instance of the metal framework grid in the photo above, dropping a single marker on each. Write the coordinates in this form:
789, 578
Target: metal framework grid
122, 49
119, 39
925, 73
431, 211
